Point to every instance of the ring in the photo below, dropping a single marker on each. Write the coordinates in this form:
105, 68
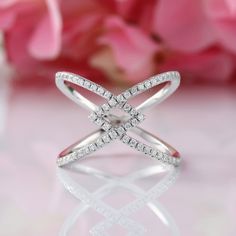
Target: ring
113, 127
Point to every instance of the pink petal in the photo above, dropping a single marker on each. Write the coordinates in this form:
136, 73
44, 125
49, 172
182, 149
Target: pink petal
46, 39
183, 25
223, 15
6, 19
133, 49
213, 65
9, 10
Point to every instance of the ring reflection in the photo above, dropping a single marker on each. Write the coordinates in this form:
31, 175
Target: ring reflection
120, 196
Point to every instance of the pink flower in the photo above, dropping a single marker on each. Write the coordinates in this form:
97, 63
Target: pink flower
121, 40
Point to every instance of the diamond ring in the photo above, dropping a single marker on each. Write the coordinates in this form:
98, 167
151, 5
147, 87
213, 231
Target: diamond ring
113, 127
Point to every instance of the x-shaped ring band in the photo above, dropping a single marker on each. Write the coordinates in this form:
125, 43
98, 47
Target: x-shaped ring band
101, 116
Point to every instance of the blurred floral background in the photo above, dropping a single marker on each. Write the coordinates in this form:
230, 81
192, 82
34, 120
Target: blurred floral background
117, 42
121, 41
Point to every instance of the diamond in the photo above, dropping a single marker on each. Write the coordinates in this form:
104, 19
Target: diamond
140, 117
125, 139
106, 138
162, 78
159, 155
154, 81
86, 84
127, 125
64, 76
93, 116
72, 78
147, 150
127, 107
133, 112
153, 152
120, 130
120, 99
140, 147
99, 112
106, 126
93, 87
113, 134
127, 94
112, 102
147, 84
133, 142
105, 107
107, 95
100, 90
87, 151
134, 90
80, 153
141, 87
134, 122
74, 156
92, 147
99, 142
98, 121
81, 82
165, 157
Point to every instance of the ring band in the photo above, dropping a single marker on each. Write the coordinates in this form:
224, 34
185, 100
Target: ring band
113, 127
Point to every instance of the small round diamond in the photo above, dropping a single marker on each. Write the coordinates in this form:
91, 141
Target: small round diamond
81, 82
86, 84
93, 87
113, 134
87, 151
92, 147
99, 112
127, 107
147, 150
120, 98
127, 94
141, 87
106, 126
93, 116
133, 143
140, 117
154, 81
147, 84
127, 125
99, 121
140, 147
99, 142
133, 112
125, 139
100, 90
134, 122
112, 102
159, 155
105, 107
120, 130
153, 152
134, 90
106, 138
107, 95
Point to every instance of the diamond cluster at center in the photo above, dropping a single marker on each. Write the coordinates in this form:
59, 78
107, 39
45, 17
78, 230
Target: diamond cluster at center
102, 118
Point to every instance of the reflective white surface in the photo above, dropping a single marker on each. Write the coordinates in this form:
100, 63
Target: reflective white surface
128, 188
39, 123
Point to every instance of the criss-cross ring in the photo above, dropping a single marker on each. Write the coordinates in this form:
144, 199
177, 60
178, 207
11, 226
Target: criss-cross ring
112, 127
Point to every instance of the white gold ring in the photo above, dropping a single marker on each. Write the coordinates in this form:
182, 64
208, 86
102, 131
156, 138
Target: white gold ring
112, 127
